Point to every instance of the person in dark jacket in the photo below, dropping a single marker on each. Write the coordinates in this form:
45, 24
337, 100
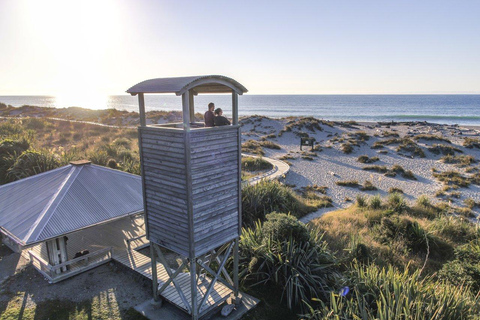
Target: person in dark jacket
220, 120
209, 116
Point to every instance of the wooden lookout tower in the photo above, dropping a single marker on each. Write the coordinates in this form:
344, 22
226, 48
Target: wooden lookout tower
192, 195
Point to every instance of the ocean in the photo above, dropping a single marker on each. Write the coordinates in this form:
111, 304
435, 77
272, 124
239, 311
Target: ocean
447, 109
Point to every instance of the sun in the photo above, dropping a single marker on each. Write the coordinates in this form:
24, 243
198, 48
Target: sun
80, 36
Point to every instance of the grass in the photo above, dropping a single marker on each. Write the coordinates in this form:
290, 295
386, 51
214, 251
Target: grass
268, 196
254, 147
252, 164
346, 148
471, 143
392, 172
443, 149
461, 160
368, 186
452, 178
347, 183
367, 159
431, 137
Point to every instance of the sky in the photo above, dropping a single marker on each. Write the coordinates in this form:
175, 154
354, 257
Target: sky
70, 48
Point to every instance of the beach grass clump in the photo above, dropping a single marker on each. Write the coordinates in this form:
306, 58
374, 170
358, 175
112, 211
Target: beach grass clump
367, 159
361, 200
410, 148
316, 188
359, 136
346, 148
381, 292
382, 143
431, 137
252, 146
387, 134
375, 202
443, 149
347, 183
461, 160
452, 178
471, 143
470, 203
298, 124
270, 145
379, 169
396, 202
424, 201
395, 190
368, 186
252, 164
268, 196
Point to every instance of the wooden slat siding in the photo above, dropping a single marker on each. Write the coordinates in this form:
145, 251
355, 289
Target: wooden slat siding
214, 148
212, 210
153, 136
205, 231
219, 185
172, 223
169, 245
216, 142
211, 136
212, 244
151, 160
173, 209
206, 179
218, 194
178, 190
163, 198
198, 173
223, 220
161, 142
163, 170
212, 132
206, 160
169, 235
164, 131
163, 153
166, 178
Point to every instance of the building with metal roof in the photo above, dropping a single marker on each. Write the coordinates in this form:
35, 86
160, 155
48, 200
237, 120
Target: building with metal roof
39, 214
67, 199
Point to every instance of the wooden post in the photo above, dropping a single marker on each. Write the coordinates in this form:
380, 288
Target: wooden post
141, 105
191, 103
193, 283
186, 110
235, 107
153, 256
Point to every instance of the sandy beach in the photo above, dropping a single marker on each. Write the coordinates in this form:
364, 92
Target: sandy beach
328, 164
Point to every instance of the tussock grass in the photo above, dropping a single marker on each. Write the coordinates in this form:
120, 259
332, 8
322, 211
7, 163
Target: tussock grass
431, 137
347, 183
252, 164
471, 143
368, 186
268, 196
367, 159
461, 161
443, 149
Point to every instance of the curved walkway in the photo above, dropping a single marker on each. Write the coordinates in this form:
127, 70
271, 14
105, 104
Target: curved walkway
279, 170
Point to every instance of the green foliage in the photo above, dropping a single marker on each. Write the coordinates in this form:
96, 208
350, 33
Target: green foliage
375, 202
268, 196
295, 271
280, 226
388, 294
347, 183
431, 137
396, 202
368, 186
361, 200
255, 164
32, 162
34, 123
366, 159
252, 146
423, 201
443, 149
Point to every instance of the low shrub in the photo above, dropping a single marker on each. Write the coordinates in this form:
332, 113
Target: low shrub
255, 164
471, 143
375, 202
368, 186
280, 226
395, 190
268, 196
431, 137
347, 183
443, 149
30, 163
361, 201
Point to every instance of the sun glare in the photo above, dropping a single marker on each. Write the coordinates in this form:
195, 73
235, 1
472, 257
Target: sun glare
80, 36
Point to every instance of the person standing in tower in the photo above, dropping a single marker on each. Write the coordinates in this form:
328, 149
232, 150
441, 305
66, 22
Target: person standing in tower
209, 116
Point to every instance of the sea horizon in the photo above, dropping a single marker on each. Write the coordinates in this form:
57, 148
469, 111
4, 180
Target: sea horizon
462, 109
